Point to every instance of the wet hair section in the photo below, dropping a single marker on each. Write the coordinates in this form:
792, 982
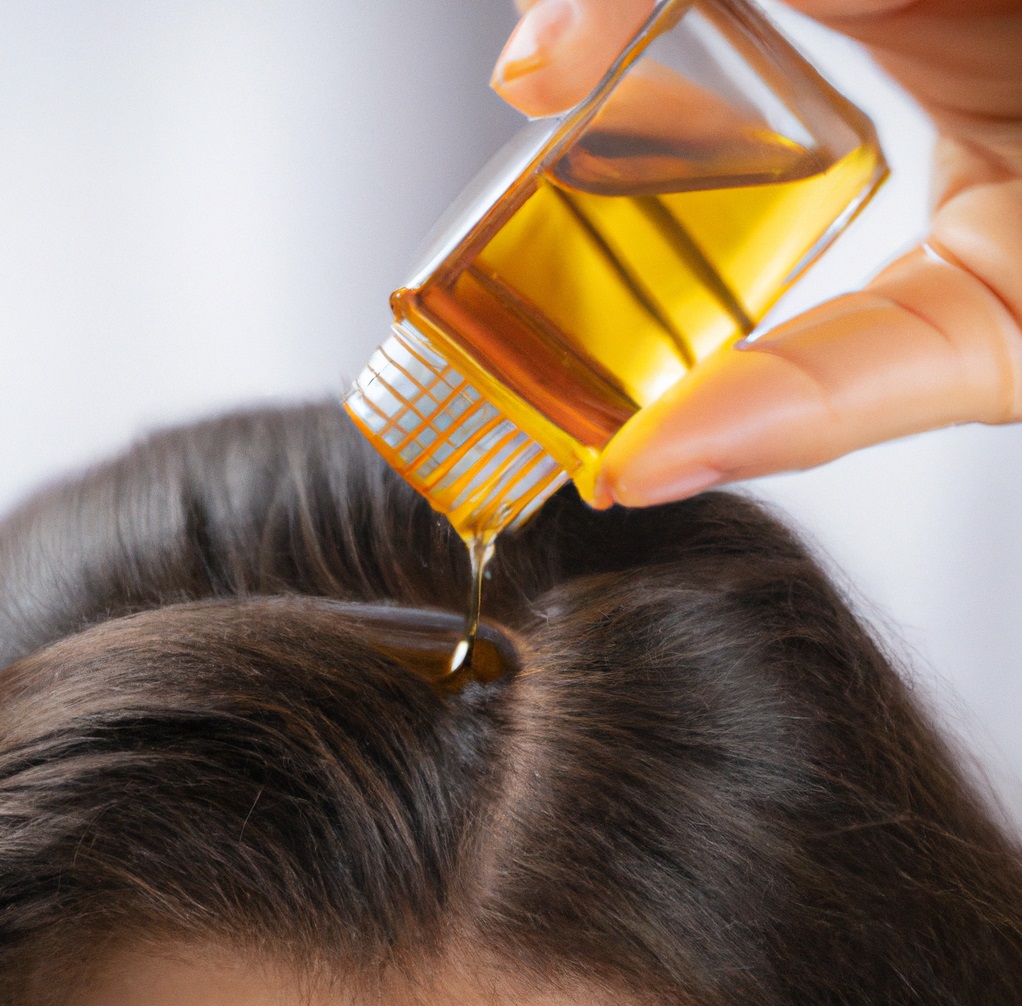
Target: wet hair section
423, 639
683, 773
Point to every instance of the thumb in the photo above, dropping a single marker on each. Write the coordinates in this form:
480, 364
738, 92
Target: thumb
928, 344
561, 49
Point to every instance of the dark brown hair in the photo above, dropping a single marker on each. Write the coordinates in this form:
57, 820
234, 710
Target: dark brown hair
703, 784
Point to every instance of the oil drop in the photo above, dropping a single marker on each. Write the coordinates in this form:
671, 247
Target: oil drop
480, 552
422, 639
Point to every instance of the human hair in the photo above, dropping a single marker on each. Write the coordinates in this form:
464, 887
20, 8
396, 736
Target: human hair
697, 780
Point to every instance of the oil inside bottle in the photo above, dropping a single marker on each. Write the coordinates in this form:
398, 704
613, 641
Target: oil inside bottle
654, 240
480, 550
589, 306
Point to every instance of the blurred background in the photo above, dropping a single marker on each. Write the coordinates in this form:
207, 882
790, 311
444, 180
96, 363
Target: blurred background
206, 205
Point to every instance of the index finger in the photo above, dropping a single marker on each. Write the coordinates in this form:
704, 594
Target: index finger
561, 49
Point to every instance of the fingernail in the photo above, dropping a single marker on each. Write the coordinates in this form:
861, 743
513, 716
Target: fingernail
528, 48
654, 488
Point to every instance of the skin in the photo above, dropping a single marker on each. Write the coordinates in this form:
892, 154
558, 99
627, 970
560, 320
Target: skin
934, 340
187, 975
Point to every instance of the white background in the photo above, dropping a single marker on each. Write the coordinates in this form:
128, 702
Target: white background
205, 204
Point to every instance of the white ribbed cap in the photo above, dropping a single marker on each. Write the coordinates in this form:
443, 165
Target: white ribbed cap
446, 439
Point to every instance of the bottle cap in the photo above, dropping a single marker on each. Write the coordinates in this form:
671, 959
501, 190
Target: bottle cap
446, 439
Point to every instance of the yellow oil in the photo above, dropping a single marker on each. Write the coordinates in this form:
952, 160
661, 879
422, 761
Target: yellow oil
480, 552
583, 303
423, 641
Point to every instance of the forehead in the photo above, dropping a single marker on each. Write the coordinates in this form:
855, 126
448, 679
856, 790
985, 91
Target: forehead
180, 976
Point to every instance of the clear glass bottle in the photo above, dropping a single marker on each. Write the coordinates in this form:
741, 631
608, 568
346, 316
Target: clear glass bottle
604, 253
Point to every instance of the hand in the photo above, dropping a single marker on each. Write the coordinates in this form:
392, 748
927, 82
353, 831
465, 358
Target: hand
935, 339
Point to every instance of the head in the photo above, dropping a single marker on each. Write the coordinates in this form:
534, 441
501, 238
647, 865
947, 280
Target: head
693, 779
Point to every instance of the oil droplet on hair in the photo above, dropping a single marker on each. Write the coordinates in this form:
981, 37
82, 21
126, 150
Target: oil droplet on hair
480, 552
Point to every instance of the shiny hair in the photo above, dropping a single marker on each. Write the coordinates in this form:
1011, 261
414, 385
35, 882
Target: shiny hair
698, 780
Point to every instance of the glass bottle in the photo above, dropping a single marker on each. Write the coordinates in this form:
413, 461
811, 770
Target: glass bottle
605, 252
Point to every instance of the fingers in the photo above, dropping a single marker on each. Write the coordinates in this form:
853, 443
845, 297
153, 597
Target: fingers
929, 343
959, 60
562, 48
